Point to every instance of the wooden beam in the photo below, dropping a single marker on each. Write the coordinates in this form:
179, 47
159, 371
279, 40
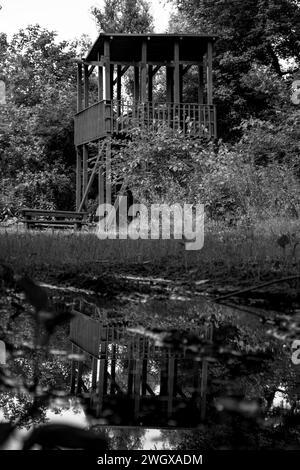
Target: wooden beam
91, 70
209, 74
144, 72
155, 70
186, 69
78, 176
89, 183
107, 72
123, 71
79, 87
176, 73
134, 63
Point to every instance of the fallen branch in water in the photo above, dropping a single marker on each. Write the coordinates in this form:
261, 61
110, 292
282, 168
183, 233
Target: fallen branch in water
259, 286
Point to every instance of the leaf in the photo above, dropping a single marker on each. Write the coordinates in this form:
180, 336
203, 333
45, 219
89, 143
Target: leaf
36, 295
53, 436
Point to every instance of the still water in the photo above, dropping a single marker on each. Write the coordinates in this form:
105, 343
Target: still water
152, 372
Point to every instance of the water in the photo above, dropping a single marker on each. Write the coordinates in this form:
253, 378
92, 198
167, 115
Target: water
153, 372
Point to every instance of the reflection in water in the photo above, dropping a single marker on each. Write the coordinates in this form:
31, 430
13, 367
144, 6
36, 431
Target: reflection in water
155, 373
2, 353
130, 381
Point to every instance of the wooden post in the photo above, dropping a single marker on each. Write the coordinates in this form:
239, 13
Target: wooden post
150, 83
108, 172
200, 84
107, 71
136, 84
79, 87
100, 81
170, 84
86, 86
209, 74
94, 373
119, 82
113, 370
181, 83
137, 386
119, 88
85, 168
176, 73
144, 72
111, 81
101, 178
144, 377
73, 371
78, 177
171, 368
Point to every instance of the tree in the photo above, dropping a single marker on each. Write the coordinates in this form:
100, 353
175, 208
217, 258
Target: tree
252, 35
124, 16
36, 151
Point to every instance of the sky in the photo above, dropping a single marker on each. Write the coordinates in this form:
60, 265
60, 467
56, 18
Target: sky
70, 18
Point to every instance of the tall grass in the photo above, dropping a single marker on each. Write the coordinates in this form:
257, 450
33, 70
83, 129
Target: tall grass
244, 252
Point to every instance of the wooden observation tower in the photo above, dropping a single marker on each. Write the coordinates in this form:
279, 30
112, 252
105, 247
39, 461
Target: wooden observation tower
106, 114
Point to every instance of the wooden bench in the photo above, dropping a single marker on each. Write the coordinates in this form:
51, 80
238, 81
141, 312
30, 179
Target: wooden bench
55, 219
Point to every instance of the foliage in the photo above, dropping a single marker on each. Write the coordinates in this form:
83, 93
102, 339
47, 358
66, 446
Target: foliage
36, 150
230, 180
251, 34
124, 16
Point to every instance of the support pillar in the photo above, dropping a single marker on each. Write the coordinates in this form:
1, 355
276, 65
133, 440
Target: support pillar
86, 86
79, 87
85, 168
209, 74
150, 83
144, 72
176, 74
78, 177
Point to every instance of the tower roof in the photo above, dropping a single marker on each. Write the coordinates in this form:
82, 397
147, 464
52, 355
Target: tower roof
160, 47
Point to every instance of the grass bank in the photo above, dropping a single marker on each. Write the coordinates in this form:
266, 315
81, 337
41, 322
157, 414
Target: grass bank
264, 250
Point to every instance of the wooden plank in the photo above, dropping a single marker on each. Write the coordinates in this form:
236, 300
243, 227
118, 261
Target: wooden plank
45, 213
89, 184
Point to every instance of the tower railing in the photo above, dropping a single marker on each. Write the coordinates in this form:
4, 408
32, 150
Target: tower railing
119, 116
